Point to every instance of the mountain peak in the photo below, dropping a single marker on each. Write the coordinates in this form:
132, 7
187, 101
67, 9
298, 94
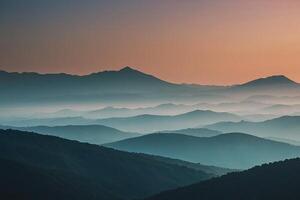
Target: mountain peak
128, 69
271, 80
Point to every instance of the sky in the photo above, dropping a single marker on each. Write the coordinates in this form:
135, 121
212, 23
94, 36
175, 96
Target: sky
191, 41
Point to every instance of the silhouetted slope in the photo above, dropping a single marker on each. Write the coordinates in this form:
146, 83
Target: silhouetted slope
21, 181
275, 181
94, 134
196, 166
125, 175
273, 85
232, 150
125, 84
60, 121
154, 123
197, 132
283, 127
272, 81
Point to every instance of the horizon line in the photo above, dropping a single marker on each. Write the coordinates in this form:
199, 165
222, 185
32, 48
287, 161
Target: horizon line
140, 71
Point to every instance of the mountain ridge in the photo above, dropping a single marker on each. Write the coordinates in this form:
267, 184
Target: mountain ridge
275, 181
230, 150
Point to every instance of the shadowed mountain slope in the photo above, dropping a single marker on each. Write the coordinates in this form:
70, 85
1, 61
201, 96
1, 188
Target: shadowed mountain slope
94, 134
101, 172
274, 181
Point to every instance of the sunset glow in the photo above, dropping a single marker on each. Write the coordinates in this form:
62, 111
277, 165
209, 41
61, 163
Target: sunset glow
207, 42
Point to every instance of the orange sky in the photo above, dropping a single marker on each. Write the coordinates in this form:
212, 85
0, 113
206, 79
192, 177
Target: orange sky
208, 42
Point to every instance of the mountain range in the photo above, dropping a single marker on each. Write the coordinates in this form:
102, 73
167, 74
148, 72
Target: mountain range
197, 132
126, 85
286, 127
154, 123
141, 123
93, 134
37, 166
231, 150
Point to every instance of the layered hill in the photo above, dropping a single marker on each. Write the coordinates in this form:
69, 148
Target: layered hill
94, 134
66, 169
287, 127
154, 123
274, 181
232, 150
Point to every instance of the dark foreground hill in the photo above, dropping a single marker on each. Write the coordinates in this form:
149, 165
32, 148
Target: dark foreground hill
275, 181
232, 150
45, 167
93, 134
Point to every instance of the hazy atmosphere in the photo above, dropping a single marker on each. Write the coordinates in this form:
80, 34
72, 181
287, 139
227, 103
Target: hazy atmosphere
149, 100
207, 42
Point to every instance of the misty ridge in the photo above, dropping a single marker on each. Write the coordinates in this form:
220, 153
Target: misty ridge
125, 135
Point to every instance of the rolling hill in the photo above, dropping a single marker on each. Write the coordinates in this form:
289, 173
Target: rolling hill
197, 132
86, 171
93, 134
232, 150
124, 85
274, 181
286, 127
154, 123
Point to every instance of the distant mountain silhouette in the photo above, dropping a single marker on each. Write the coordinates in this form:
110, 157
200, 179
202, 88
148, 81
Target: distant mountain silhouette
126, 85
154, 123
93, 134
274, 85
162, 109
274, 181
279, 80
232, 150
282, 109
271, 99
289, 141
60, 121
34, 165
287, 127
140, 123
197, 132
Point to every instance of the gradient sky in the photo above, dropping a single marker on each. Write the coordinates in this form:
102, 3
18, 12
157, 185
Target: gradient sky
193, 41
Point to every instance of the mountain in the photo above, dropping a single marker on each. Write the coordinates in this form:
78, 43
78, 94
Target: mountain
65, 169
161, 109
232, 150
277, 86
293, 142
197, 132
271, 99
60, 121
274, 181
282, 109
154, 123
140, 123
278, 81
286, 127
124, 85
218, 171
93, 134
